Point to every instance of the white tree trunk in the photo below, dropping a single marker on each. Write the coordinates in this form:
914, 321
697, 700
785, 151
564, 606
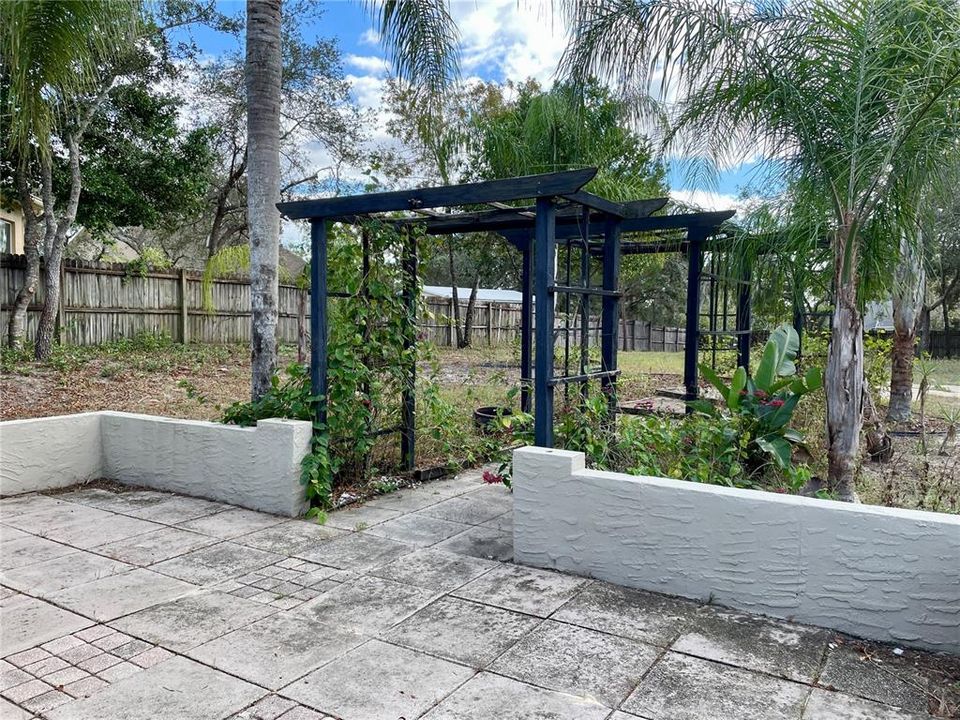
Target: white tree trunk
263, 78
55, 240
843, 382
908, 293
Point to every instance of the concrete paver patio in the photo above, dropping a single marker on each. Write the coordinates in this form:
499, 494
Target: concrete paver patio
149, 605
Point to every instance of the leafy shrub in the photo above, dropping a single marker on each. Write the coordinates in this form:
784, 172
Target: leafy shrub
764, 403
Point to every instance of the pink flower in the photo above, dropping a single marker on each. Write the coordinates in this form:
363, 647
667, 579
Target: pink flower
491, 478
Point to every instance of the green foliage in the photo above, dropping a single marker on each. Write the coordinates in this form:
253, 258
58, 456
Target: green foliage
52, 54
877, 353
369, 350
764, 403
229, 261
150, 259
139, 168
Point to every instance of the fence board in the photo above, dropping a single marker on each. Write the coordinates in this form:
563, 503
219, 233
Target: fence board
105, 302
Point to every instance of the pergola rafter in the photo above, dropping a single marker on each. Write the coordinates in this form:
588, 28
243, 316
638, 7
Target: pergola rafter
562, 213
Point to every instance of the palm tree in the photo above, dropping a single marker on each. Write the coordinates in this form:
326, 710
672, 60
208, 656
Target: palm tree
421, 39
263, 75
55, 60
851, 103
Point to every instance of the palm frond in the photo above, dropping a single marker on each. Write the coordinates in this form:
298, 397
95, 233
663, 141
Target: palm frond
53, 52
422, 43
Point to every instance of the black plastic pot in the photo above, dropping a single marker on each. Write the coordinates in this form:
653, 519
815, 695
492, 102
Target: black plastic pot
485, 417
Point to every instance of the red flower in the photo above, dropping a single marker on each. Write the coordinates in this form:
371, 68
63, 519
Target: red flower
760, 393
491, 478
776, 402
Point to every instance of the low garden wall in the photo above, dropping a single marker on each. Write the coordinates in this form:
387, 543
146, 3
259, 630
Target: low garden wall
882, 573
256, 468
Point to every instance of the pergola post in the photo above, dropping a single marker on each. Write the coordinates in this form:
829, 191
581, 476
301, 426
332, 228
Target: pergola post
318, 317
610, 313
544, 249
744, 320
695, 238
526, 325
409, 422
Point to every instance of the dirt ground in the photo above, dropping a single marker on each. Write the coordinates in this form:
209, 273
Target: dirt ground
198, 382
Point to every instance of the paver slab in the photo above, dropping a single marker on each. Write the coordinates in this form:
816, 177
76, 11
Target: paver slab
81, 526
231, 523
111, 597
579, 661
9, 711
30, 549
367, 605
473, 508
154, 547
178, 509
356, 551
123, 501
28, 622
290, 537
791, 651
482, 542
527, 590
360, 517
28, 503
192, 620
652, 618
407, 499
686, 688
379, 681
826, 705
434, 569
278, 649
876, 673
177, 689
418, 529
492, 696
462, 631
75, 568
216, 563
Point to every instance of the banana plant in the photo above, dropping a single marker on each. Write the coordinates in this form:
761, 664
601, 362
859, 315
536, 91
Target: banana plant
765, 401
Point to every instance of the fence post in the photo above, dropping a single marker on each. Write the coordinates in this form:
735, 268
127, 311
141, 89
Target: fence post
184, 308
489, 324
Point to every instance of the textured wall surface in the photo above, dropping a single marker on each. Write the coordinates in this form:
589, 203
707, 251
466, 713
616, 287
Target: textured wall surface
48, 453
888, 574
257, 468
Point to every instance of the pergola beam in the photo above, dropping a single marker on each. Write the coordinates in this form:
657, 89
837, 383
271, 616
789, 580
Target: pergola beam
530, 186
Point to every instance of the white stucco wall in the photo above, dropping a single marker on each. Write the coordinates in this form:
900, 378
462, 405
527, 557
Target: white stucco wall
47, 453
882, 573
257, 468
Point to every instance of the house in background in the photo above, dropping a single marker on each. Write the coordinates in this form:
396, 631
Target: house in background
12, 224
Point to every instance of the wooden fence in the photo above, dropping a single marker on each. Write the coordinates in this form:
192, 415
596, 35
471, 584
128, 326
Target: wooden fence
103, 302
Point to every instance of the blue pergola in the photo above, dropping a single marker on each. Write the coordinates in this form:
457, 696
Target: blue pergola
536, 214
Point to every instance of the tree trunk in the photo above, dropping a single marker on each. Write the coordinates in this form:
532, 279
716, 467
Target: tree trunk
468, 316
17, 328
908, 294
844, 373
455, 296
54, 247
263, 77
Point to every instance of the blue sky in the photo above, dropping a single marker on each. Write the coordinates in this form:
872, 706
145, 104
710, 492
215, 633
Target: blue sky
501, 40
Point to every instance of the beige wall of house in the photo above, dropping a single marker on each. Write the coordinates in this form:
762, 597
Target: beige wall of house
11, 230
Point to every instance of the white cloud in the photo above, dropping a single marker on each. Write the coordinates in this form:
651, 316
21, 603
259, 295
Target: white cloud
706, 200
367, 63
370, 37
